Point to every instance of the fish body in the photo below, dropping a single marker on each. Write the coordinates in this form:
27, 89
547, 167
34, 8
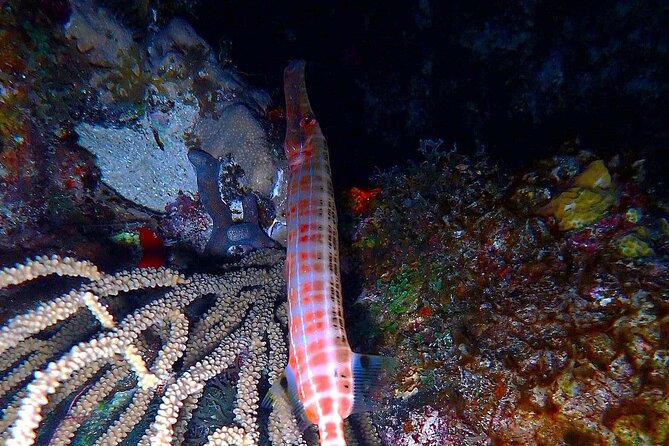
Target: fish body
320, 356
324, 381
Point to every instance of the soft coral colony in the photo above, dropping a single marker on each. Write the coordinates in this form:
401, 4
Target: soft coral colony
161, 351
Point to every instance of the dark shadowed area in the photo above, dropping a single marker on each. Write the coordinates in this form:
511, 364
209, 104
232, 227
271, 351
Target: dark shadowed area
517, 79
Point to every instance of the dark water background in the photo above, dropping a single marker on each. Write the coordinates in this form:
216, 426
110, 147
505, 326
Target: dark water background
518, 78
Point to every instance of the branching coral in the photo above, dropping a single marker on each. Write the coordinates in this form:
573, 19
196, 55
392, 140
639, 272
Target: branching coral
55, 377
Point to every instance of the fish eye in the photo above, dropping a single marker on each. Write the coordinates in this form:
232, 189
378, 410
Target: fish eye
307, 121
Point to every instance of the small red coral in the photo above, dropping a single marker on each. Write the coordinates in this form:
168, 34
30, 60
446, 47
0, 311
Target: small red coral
360, 199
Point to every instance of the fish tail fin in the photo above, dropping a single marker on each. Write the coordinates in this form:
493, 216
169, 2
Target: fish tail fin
283, 396
370, 374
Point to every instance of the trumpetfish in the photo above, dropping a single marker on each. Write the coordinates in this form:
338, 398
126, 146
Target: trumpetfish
325, 381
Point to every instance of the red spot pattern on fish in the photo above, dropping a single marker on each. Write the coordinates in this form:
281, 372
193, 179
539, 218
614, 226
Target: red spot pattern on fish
320, 356
322, 370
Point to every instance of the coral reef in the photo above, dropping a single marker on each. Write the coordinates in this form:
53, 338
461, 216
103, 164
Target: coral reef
523, 309
43, 178
141, 370
631, 246
136, 94
510, 329
166, 95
